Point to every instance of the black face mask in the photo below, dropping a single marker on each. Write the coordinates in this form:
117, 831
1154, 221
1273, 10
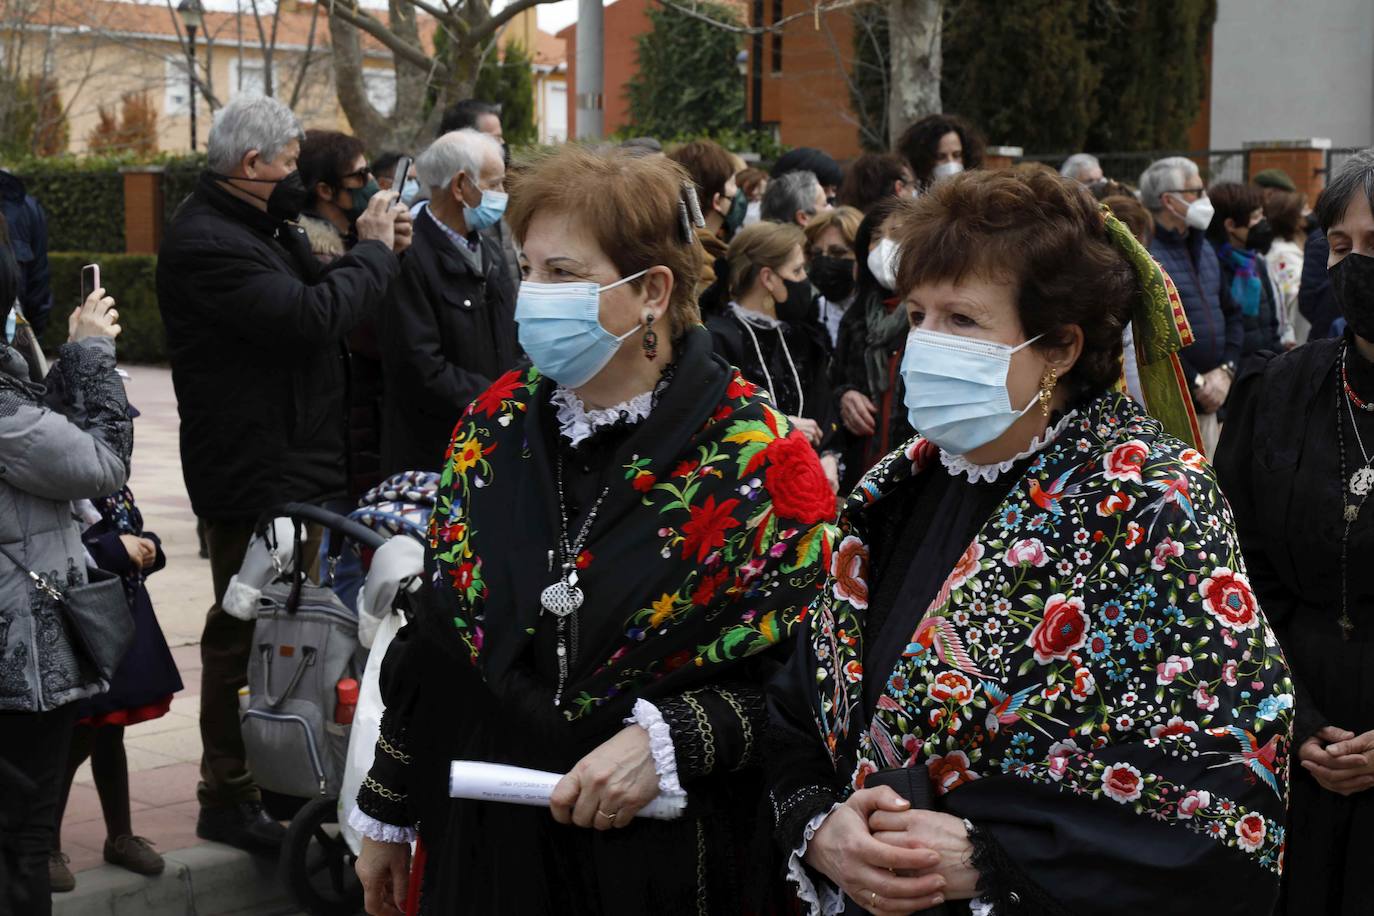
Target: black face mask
288, 197
1352, 282
834, 277
1260, 237
797, 306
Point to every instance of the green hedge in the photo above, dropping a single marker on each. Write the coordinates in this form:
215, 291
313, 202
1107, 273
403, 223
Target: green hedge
131, 280
84, 197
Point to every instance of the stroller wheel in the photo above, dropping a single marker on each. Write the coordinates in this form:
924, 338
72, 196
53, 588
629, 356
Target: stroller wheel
317, 864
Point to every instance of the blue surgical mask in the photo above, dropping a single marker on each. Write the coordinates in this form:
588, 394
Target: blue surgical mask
560, 329
488, 211
410, 192
956, 389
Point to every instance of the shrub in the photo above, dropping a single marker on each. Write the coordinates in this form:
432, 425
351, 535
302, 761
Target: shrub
131, 279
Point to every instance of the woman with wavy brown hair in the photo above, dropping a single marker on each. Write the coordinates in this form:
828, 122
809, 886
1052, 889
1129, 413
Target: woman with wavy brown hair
625, 536
1038, 675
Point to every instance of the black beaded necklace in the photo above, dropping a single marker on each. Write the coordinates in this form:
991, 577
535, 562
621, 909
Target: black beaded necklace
1355, 488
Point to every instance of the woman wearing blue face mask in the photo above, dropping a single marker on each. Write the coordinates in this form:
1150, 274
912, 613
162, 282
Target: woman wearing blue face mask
1038, 660
625, 537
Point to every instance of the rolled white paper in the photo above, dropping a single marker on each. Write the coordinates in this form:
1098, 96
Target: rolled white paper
500, 782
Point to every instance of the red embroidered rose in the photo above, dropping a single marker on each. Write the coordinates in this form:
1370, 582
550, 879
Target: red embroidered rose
920, 453
967, 567
796, 482
1175, 726
643, 481
685, 468
707, 587
1193, 802
1063, 628
462, 577
739, 388
489, 401
1083, 683
1193, 459
1134, 534
849, 568
1117, 502
1171, 668
706, 529
952, 685
949, 772
1229, 599
1125, 461
862, 771
1250, 831
1122, 783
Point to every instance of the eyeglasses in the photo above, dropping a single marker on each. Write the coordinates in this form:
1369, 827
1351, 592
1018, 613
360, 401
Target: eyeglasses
1200, 192
363, 174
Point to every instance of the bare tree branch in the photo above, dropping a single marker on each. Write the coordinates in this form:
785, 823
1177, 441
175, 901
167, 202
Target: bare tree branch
306, 59
364, 22
481, 33
814, 12
202, 85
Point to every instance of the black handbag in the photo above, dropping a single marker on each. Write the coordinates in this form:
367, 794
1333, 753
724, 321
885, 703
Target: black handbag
98, 617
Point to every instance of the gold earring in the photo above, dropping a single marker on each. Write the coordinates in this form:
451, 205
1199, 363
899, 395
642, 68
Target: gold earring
1048, 381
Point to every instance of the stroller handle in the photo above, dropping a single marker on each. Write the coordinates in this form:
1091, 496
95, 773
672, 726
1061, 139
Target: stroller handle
335, 522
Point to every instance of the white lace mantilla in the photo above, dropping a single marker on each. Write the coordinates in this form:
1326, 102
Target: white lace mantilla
577, 422
958, 464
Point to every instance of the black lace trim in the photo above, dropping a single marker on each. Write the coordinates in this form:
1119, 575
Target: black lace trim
793, 813
1002, 883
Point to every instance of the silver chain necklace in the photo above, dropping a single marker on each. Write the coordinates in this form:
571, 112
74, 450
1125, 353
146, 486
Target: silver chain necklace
564, 598
1362, 481
1351, 509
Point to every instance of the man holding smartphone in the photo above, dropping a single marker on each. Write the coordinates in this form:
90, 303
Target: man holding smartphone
255, 331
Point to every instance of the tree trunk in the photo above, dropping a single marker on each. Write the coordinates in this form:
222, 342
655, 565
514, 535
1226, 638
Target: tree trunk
914, 53
367, 122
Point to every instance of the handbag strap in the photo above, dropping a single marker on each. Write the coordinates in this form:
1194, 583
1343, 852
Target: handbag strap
306, 660
43, 585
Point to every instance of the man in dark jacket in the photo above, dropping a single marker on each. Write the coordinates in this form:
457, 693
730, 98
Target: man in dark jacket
28, 229
255, 331
449, 330
1172, 190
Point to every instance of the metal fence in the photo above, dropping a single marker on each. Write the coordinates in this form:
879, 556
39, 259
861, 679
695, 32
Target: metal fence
1214, 164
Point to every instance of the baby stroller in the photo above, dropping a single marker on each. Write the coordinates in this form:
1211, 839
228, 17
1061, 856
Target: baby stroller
310, 669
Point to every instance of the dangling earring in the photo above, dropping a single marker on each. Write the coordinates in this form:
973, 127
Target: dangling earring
1048, 381
650, 341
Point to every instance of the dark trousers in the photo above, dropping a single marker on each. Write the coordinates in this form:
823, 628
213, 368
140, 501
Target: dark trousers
33, 765
225, 645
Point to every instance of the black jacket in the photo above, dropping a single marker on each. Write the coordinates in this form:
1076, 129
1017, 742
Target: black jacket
28, 229
446, 335
255, 331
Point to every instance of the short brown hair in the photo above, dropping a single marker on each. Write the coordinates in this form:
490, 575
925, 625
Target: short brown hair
749, 179
870, 178
327, 155
1234, 201
760, 245
845, 219
1043, 234
1133, 213
628, 203
1283, 209
709, 164
919, 143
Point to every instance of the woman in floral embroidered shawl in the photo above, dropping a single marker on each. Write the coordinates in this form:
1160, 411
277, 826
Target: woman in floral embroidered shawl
1040, 615
624, 539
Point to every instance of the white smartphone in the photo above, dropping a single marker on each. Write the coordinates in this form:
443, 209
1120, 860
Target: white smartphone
90, 281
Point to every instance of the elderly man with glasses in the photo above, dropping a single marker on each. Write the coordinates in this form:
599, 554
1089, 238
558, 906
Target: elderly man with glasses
1172, 190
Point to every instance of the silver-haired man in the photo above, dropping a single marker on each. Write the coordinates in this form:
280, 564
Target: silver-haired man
255, 333
1082, 168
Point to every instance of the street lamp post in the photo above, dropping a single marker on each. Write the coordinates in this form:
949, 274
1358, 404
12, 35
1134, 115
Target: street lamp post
192, 17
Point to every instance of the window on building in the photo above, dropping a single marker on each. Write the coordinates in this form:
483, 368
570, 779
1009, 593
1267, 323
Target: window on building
248, 76
176, 99
380, 85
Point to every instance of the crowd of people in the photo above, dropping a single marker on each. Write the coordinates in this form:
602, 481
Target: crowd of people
928, 534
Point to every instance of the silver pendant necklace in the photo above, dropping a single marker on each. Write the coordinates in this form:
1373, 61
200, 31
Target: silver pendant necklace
1359, 485
564, 598
1362, 481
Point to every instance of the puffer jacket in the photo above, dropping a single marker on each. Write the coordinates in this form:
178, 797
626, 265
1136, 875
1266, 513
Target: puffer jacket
66, 440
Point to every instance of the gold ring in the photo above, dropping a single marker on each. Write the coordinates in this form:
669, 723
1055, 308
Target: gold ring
872, 898
609, 817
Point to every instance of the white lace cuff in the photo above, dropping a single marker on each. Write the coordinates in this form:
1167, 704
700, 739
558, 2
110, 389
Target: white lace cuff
821, 897
958, 464
377, 830
647, 717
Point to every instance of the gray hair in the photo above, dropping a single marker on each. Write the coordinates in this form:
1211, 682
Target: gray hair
1355, 177
788, 193
251, 122
1166, 174
456, 151
1077, 164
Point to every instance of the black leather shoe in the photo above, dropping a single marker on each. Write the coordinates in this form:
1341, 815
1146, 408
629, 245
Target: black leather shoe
245, 825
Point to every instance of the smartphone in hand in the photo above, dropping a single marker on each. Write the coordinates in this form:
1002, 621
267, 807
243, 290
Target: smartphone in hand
90, 280
400, 176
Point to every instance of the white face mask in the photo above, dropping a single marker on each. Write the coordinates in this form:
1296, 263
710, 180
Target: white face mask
882, 263
1200, 212
946, 170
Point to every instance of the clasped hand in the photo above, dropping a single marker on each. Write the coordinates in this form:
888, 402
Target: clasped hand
890, 859
1340, 760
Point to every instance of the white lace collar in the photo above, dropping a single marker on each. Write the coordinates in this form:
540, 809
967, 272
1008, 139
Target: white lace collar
576, 422
958, 464
757, 319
